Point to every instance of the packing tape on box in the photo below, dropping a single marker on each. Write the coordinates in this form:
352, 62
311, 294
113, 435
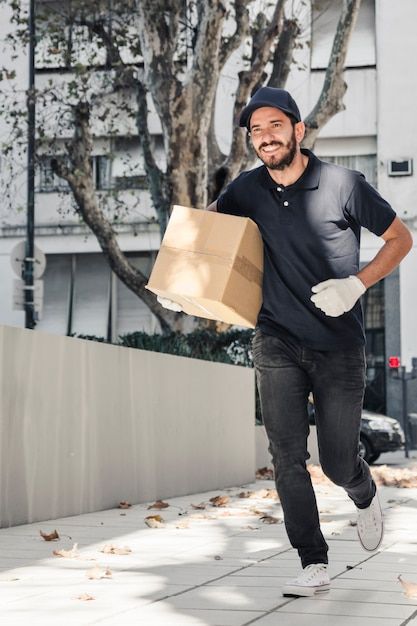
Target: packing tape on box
248, 270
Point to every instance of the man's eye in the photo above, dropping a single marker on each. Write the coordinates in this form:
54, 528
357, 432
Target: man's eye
276, 124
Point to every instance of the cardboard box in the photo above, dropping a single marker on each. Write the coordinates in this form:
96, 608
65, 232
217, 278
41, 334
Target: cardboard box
212, 265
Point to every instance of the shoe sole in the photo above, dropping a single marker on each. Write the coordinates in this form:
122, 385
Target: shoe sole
368, 549
381, 537
293, 591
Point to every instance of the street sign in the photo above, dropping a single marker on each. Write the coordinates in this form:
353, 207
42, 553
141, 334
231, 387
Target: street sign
17, 259
19, 289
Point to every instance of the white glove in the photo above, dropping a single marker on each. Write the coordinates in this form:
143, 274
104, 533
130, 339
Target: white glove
337, 295
169, 304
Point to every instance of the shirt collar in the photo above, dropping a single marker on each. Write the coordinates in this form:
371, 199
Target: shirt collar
309, 179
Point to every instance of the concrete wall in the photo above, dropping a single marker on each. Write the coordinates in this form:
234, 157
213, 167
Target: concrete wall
85, 425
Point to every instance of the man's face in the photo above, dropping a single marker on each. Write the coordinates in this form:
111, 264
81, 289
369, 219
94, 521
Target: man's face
273, 137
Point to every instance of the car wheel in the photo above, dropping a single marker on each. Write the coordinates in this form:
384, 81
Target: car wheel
365, 450
374, 457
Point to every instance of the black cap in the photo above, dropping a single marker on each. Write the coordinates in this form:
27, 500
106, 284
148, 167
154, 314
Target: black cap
270, 97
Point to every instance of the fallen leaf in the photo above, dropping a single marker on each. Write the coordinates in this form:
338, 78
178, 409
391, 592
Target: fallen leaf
96, 573
265, 473
262, 493
255, 511
49, 537
317, 474
405, 477
218, 557
353, 522
249, 527
183, 524
109, 548
85, 596
410, 588
68, 554
201, 506
220, 500
271, 493
159, 504
124, 504
154, 521
246, 494
269, 519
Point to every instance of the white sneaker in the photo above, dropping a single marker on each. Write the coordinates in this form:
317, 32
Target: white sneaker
370, 525
312, 580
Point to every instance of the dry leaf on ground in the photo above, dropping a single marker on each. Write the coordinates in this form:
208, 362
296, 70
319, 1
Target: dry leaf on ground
405, 478
68, 554
255, 511
124, 504
49, 536
265, 473
218, 557
246, 494
200, 506
220, 500
96, 573
317, 474
109, 548
182, 525
85, 596
159, 504
154, 521
410, 588
270, 519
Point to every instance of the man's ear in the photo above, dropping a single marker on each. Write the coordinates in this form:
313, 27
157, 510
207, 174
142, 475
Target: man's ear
300, 131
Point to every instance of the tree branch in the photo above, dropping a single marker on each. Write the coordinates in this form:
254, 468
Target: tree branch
156, 178
247, 80
283, 55
228, 46
79, 177
334, 88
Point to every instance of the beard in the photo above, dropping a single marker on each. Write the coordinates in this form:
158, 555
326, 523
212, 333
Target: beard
287, 154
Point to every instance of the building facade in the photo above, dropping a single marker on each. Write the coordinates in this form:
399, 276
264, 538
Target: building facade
375, 134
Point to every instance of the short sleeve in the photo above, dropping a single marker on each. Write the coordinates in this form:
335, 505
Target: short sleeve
368, 209
227, 203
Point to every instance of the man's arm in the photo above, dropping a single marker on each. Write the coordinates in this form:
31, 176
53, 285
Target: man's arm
212, 206
338, 295
398, 243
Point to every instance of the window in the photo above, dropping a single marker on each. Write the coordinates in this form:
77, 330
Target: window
50, 182
325, 16
365, 163
83, 296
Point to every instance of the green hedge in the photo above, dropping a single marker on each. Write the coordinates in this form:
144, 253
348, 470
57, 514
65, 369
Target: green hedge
233, 346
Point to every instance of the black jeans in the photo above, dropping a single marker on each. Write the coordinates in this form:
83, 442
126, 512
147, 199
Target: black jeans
286, 372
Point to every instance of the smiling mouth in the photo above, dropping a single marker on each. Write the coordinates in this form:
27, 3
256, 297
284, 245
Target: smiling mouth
271, 148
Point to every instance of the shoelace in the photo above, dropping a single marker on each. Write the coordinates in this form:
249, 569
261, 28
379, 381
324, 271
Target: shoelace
368, 520
310, 572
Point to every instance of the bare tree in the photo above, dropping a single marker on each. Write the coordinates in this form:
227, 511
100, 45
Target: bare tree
177, 50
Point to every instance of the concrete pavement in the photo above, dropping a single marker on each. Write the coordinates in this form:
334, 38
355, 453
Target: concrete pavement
208, 566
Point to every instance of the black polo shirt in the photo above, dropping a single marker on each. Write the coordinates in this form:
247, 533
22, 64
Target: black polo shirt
311, 232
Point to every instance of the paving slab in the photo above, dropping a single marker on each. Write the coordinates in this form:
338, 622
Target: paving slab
213, 567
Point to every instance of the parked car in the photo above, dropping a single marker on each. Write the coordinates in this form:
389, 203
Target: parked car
379, 433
